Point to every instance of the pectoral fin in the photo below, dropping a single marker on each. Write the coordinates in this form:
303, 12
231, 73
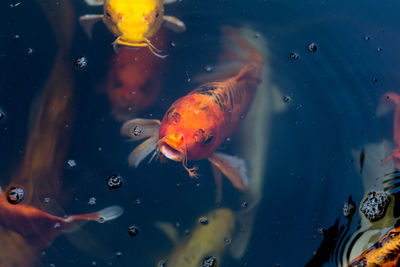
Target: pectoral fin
142, 151
94, 2
232, 167
87, 22
138, 129
174, 24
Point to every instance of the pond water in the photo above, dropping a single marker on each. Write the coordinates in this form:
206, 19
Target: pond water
60, 135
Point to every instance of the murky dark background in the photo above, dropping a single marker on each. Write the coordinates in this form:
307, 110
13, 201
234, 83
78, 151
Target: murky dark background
310, 171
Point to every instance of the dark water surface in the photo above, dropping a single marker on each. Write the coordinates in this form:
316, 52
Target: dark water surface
334, 93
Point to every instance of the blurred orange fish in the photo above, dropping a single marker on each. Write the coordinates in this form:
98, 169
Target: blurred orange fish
131, 83
196, 124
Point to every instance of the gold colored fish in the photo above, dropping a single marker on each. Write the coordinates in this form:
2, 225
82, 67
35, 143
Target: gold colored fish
133, 22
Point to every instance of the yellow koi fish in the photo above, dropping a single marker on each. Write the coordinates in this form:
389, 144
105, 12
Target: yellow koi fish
206, 240
133, 22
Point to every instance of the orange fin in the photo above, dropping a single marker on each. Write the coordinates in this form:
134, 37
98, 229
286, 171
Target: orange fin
87, 22
232, 167
142, 151
138, 129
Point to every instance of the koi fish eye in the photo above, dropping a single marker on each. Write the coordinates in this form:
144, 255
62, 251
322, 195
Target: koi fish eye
157, 15
201, 137
173, 116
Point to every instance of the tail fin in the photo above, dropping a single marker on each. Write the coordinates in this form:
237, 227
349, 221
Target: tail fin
74, 222
249, 53
237, 51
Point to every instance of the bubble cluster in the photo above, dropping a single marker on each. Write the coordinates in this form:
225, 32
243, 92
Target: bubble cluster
15, 194
210, 262
374, 205
114, 181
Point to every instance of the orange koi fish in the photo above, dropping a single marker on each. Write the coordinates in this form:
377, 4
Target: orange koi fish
40, 228
196, 124
384, 253
131, 86
395, 156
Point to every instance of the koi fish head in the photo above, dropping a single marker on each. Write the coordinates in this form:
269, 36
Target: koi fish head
187, 132
135, 21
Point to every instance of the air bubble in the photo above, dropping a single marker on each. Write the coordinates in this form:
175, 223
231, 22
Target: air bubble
15, 194
29, 51
133, 230
208, 68
92, 201
210, 262
203, 220
312, 47
162, 263
136, 131
287, 99
294, 55
71, 163
114, 181
80, 62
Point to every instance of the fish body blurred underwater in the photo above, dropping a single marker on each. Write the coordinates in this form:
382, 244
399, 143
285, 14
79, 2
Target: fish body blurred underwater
195, 125
206, 240
254, 138
131, 86
133, 22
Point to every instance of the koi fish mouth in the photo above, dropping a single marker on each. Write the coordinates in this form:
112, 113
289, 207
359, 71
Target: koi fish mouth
170, 151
